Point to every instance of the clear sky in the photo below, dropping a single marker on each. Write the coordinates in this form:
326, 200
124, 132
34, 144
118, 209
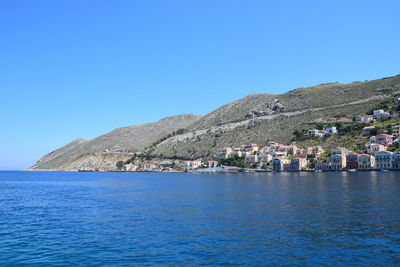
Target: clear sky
79, 68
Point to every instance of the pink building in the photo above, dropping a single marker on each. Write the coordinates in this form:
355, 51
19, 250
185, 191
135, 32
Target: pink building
384, 139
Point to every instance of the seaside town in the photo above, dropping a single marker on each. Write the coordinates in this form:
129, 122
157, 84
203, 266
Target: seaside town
378, 132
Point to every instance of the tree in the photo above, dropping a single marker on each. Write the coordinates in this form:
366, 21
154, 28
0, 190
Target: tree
233, 161
297, 133
120, 165
339, 125
394, 147
376, 131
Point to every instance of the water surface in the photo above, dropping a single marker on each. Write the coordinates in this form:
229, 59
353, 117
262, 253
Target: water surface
87, 219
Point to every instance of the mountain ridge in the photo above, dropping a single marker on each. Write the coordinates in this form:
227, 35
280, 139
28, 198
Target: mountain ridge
261, 117
255, 118
127, 139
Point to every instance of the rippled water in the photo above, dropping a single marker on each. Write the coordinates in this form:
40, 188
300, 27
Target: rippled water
51, 218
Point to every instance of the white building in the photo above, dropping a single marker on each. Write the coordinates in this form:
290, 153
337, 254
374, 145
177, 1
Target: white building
296, 164
212, 163
315, 133
380, 113
383, 160
192, 164
251, 159
265, 157
223, 153
374, 148
330, 130
340, 151
366, 162
322, 166
252, 148
364, 118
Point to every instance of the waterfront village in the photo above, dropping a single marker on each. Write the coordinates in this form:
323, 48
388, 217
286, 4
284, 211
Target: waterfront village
380, 151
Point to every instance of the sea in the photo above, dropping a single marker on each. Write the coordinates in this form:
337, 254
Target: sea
183, 219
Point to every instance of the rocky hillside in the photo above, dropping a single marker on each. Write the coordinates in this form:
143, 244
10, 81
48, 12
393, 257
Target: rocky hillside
262, 117
320, 96
252, 119
123, 141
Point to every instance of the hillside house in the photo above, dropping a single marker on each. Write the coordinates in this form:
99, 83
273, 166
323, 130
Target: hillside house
315, 133
251, 159
383, 160
290, 150
364, 118
272, 144
366, 131
223, 153
330, 130
192, 164
366, 162
380, 114
384, 139
279, 154
251, 149
212, 163
270, 147
167, 163
339, 151
375, 148
301, 153
236, 152
265, 157
338, 161
315, 150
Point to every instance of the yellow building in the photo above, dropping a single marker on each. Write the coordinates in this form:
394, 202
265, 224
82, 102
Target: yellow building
338, 161
366, 162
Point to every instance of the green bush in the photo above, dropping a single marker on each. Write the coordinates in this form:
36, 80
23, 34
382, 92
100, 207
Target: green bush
120, 165
233, 161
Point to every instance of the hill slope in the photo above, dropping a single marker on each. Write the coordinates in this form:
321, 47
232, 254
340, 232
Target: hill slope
262, 117
124, 139
252, 119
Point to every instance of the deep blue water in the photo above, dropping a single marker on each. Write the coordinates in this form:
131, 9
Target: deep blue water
54, 218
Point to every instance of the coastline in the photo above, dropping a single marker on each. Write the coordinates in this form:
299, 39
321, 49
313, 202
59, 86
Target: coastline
228, 171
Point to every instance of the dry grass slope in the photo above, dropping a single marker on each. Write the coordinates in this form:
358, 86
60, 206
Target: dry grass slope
132, 138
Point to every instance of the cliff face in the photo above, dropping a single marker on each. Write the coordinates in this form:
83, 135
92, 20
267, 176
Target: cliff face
121, 140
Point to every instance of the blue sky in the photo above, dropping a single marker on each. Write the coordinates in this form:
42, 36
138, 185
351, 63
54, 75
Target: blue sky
72, 69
